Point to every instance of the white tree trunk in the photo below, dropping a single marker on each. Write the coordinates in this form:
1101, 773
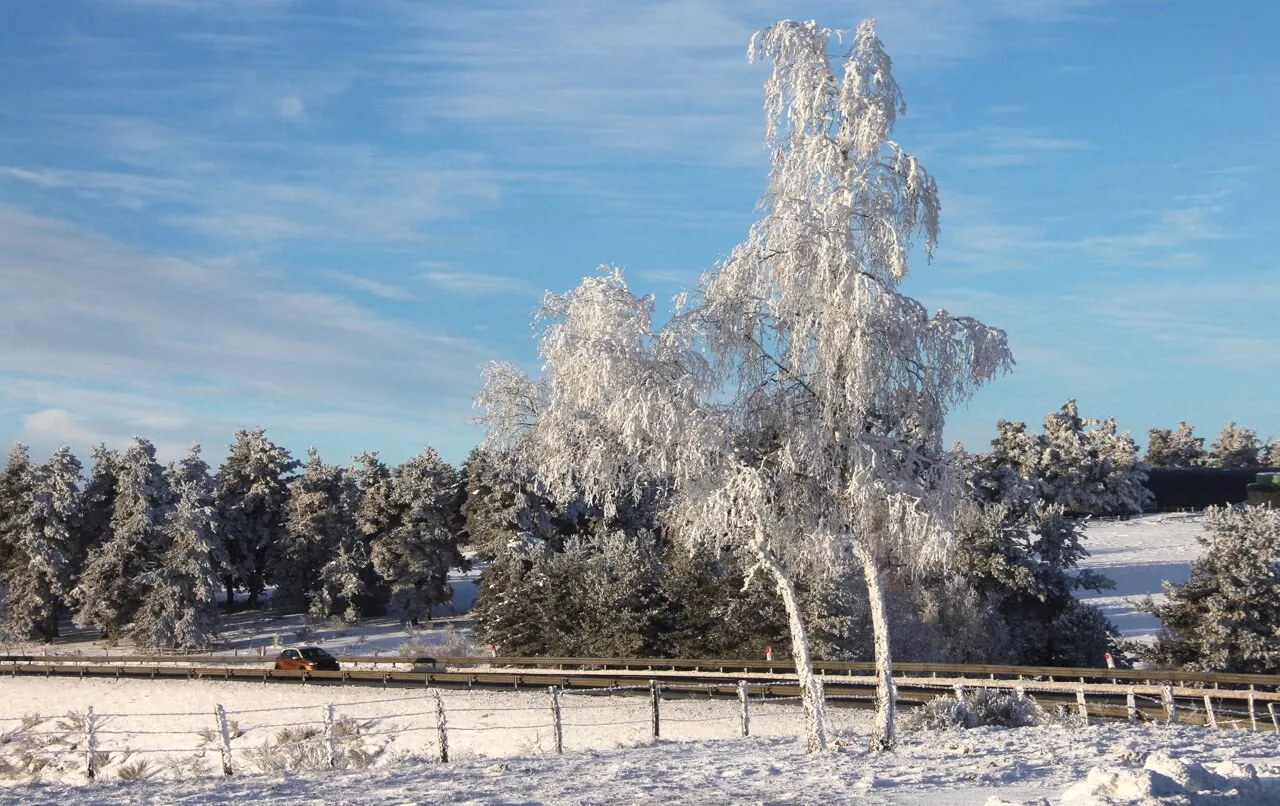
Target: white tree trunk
883, 735
810, 694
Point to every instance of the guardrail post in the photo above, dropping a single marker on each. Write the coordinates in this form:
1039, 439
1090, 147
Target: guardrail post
442, 730
91, 744
225, 732
1253, 715
330, 739
1170, 707
1081, 706
1131, 704
1210, 716
655, 689
555, 719
742, 698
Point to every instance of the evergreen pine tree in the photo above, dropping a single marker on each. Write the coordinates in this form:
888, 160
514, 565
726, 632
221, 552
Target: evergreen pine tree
179, 608
1226, 617
17, 485
111, 589
250, 499
315, 501
97, 503
416, 555
40, 579
1170, 448
1236, 446
377, 516
501, 503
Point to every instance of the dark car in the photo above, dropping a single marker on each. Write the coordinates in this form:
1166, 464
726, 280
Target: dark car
427, 665
307, 659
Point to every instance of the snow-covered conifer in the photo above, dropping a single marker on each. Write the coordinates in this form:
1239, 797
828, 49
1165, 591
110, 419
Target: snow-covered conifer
377, 515
319, 517
793, 406
39, 580
1226, 617
179, 607
1236, 446
1270, 454
110, 590
17, 481
416, 555
501, 503
1174, 448
251, 494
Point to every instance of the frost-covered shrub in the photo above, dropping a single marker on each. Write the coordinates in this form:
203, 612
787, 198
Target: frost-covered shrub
980, 707
1226, 617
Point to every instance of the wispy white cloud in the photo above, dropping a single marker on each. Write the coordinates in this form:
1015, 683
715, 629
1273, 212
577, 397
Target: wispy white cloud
476, 283
370, 286
196, 337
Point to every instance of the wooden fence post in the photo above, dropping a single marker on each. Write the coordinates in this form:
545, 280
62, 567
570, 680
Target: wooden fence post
1275, 721
224, 732
1253, 715
555, 719
742, 698
655, 689
1170, 707
1081, 706
329, 738
1210, 716
442, 729
1131, 704
91, 744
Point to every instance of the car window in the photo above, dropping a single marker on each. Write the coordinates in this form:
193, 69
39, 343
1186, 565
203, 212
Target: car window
291, 653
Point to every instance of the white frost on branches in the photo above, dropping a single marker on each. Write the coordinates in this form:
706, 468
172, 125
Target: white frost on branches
793, 405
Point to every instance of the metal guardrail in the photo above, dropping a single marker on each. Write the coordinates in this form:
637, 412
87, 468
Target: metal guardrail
723, 666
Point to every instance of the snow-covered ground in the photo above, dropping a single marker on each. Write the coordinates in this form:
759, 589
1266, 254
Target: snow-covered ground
1139, 554
501, 748
501, 743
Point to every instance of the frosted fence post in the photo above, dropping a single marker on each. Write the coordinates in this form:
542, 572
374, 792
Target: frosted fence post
225, 733
1131, 704
654, 688
91, 744
1080, 705
742, 698
1275, 721
1170, 707
442, 729
1253, 715
1210, 716
330, 739
555, 719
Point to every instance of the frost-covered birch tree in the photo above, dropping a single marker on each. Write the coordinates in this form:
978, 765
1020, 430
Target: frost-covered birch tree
793, 405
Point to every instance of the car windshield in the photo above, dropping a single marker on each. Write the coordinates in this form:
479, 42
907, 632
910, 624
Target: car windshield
312, 653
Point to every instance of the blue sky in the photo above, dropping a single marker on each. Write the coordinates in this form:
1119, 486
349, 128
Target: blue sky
325, 217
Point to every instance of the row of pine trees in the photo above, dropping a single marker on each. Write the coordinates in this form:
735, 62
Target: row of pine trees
1235, 447
142, 551
146, 552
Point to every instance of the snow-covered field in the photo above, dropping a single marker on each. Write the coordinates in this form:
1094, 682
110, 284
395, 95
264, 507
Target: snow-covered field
1139, 554
501, 749
501, 743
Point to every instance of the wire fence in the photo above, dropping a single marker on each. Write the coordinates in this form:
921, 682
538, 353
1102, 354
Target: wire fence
421, 726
